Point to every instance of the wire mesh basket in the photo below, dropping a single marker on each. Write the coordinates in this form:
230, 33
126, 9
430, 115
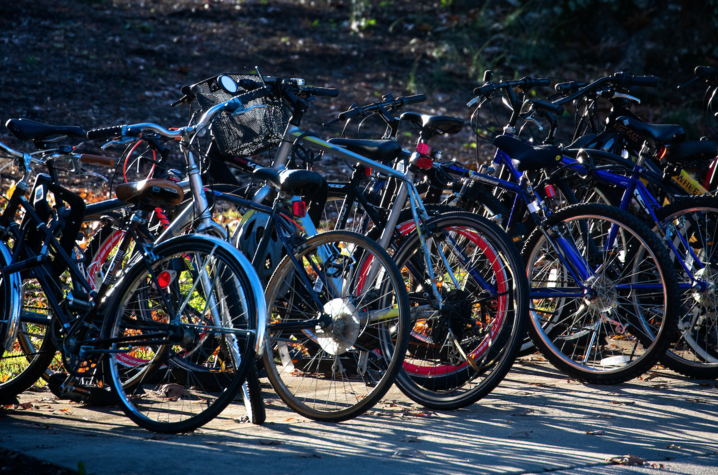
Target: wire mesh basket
247, 134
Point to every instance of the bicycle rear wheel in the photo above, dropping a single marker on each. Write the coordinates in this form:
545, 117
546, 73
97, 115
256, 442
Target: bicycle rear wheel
692, 227
459, 354
340, 371
194, 322
612, 324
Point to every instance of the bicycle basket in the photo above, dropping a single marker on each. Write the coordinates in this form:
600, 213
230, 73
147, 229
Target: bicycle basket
246, 134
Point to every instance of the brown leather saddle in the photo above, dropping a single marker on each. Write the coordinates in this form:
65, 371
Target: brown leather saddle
153, 192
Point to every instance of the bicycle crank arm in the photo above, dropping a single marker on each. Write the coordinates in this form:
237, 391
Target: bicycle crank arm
321, 322
421, 311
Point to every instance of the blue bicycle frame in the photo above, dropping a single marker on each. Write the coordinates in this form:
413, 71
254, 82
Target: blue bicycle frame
634, 187
567, 252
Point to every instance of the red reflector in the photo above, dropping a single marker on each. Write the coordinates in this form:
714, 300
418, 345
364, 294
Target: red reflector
299, 209
164, 279
367, 171
550, 192
423, 149
424, 163
662, 152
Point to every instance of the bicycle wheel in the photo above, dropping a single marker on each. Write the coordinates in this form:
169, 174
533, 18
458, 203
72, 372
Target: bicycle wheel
695, 351
338, 372
200, 308
34, 355
102, 246
459, 354
612, 324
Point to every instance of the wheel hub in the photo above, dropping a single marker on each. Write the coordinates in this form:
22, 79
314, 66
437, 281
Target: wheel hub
708, 296
603, 296
341, 335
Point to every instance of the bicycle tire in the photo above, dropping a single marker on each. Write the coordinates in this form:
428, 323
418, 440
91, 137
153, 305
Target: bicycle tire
705, 362
442, 390
385, 358
670, 309
242, 277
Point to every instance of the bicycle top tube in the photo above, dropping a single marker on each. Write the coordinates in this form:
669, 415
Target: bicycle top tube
292, 133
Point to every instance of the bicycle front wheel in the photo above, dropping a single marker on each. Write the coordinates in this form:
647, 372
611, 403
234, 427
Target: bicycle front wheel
183, 331
338, 371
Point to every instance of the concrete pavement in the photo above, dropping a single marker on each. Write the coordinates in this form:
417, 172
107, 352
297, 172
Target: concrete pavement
536, 421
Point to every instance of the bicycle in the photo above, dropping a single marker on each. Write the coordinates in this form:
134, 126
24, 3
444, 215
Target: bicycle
570, 252
176, 341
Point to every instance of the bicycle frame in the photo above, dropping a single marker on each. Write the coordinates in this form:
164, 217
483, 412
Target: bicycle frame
634, 188
567, 253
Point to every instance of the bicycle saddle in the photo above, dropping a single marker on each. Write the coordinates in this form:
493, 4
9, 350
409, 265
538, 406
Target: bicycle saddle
25, 129
434, 124
689, 151
293, 182
153, 191
382, 151
655, 135
527, 157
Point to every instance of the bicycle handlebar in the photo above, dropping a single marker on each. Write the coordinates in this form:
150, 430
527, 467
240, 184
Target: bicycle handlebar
525, 83
97, 160
104, 133
390, 104
619, 79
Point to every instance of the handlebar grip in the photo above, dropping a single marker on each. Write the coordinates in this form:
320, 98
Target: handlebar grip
249, 85
704, 71
547, 106
104, 133
645, 81
415, 99
325, 91
253, 95
350, 114
542, 82
483, 90
97, 160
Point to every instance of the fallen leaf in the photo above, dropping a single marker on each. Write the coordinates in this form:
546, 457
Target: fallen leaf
270, 442
650, 376
697, 400
626, 460
604, 416
658, 465
524, 412
596, 432
241, 420
673, 447
520, 435
291, 419
25, 406
409, 453
624, 403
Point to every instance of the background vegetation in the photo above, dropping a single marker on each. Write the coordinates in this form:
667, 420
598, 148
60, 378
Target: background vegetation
102, 62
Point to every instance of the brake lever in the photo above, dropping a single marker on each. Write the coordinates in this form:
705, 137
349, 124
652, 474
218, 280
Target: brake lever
77, 169
685, 85
531, 119
327, 124
120, 141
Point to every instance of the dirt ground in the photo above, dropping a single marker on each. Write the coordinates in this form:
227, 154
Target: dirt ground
98, 63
